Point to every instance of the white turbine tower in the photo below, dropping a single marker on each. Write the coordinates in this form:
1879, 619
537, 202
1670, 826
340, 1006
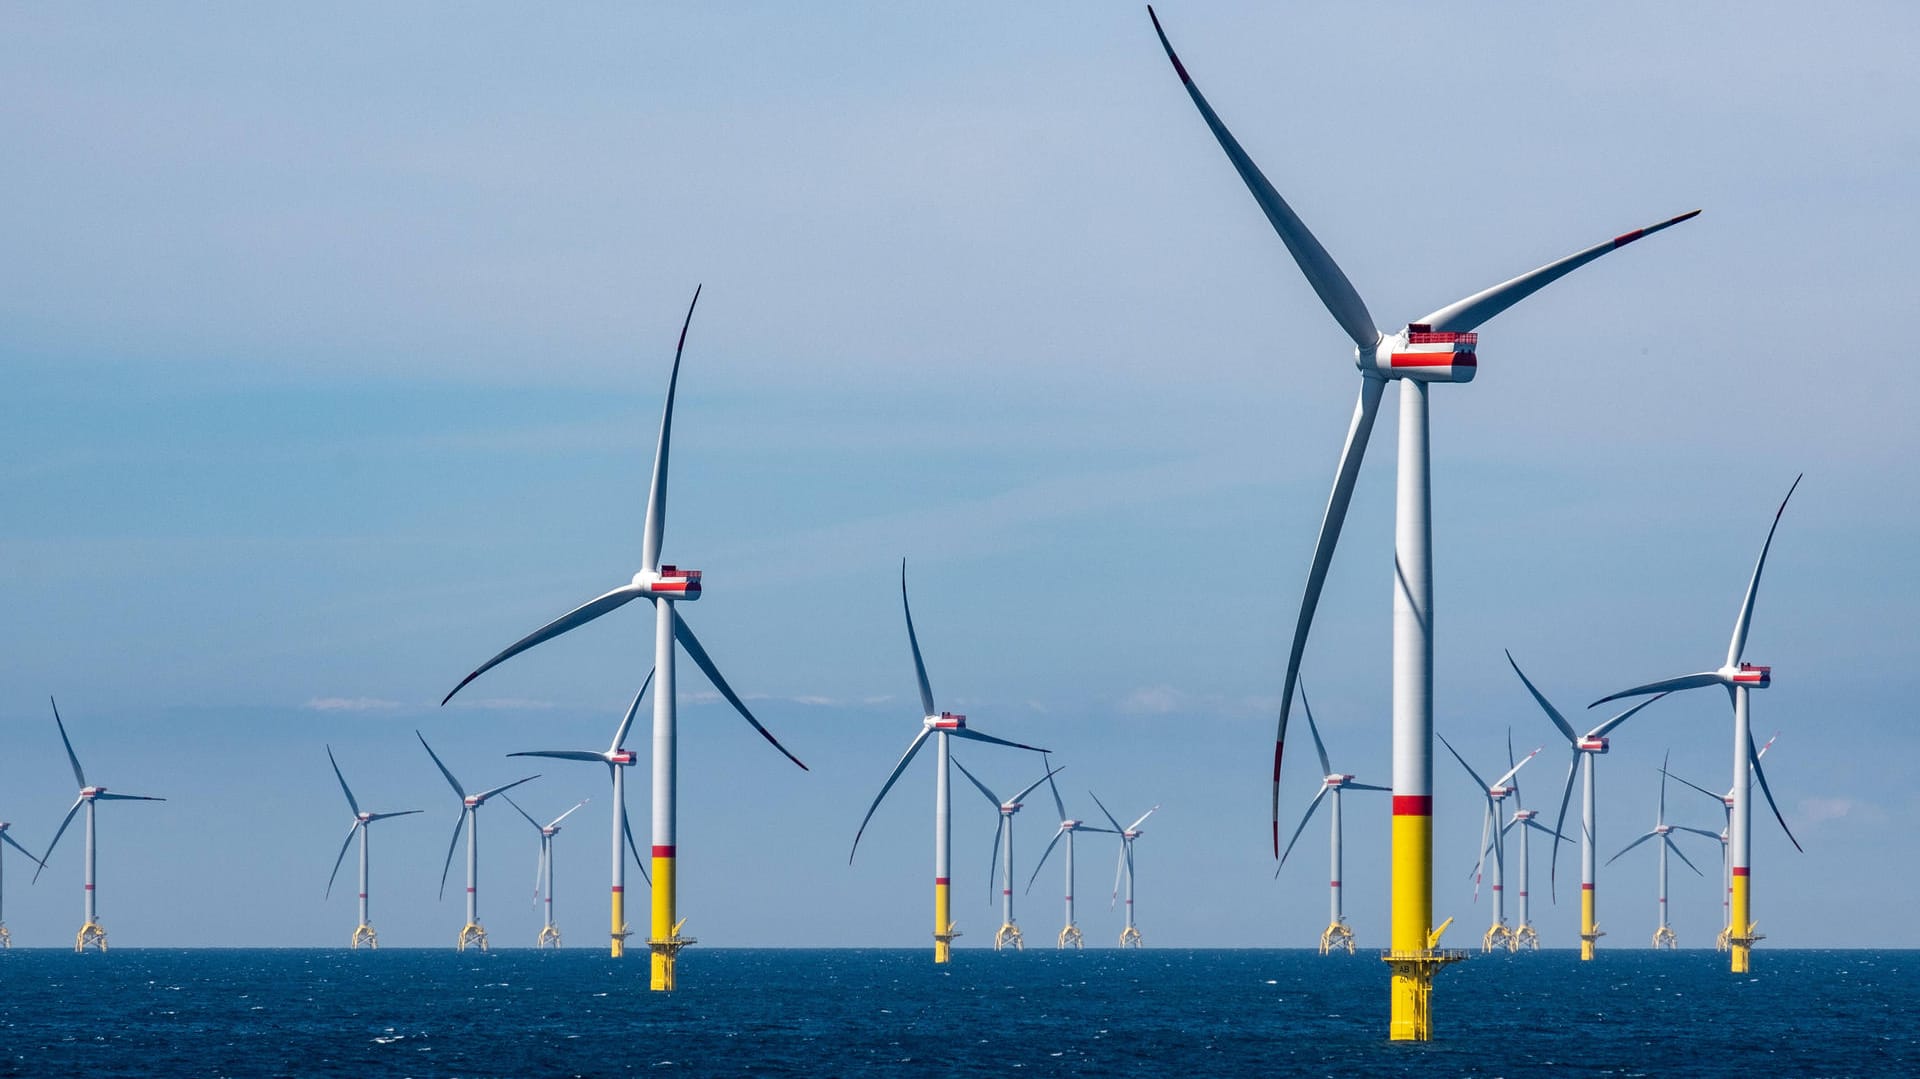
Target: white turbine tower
1070, 936
362, 933
6, 938
1585, 749
1130, 935
471, 934
945, 725
1337, 934
1663, 936
1524, 934
618, 759
663, 586
1499, 934
543, 869
1721, 943
1008, 935
1439, 347
91, 934
1738, 677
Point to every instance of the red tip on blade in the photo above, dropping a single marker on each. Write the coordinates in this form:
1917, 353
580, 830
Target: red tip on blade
1278, 748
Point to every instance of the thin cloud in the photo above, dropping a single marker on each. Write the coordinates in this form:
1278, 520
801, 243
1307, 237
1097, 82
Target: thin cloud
351, 704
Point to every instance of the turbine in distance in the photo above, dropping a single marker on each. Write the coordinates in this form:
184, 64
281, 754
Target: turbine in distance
6, 938
1499, 935
1129, 935
1338, 934
472, 935
1723, 941
1008, 935
1070, 935
91, 934
543, 869
1663, 935
363, 934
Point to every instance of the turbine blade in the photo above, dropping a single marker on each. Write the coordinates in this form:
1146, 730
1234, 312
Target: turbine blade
62, 830
1043, 857
1553, 713
626, 825
1335, 291
993, 870
1511, 772
1320, 747
1739, 643
79, 776
104, 796
656, 524
1058, 803
343, 782
1631, 845
15, 844
1715, 836
1665, 685
371, 817
564, 754
684, 634
981, 787
1675, 848
1761, 775
1603, 729
626, 722
1664, 759
523, 813
905, 759
1118, 868
1716, 798
579, 616
1103, 811
1143, 818
452, 782
486, 794
568, 813
1364, 411
1365, 787
919, 665
341, 857
1463, 315
1035, 785
1559, 831
451, 844
976, 736
1304, 818
1477, 781
1513, 768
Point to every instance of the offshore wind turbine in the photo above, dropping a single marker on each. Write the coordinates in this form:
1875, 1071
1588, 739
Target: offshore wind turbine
1439, 347
91, 934
1129, 936
1738, 677
1008, 935
362, 820
1338, 933
1586, 749
942, 726
1070, 935
1499, 935
1524, 934
664, 586
1721, 943
6, 938
618, 759
543, 869
1663, 935
471, 934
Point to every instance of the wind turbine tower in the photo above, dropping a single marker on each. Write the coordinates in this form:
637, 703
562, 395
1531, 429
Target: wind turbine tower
1663, 935
471, 934
618, 759
543, 870
1722, 941
1129, 936
941, 726
362, 820
1070, 935
664, 586
6, 938
1739, 678
1338, 933
92, 934
1499, 935
1008, 935
1437, 348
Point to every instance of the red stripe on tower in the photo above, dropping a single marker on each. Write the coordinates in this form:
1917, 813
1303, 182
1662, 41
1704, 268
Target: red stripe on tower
660, 851
1413, 805
1586, 887
617, 889
940, 880
1738, 871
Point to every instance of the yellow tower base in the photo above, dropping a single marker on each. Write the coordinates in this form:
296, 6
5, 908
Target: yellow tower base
1070, 938
1130, 938
364, 936
666, 952
1589, 929
1663, 938
1720, 942
1525, 937
1008, 936
1336, 937
471, 936
943, 930
1498, 939
620, 933
1413, 987
91, 935
1740, 935
549, 938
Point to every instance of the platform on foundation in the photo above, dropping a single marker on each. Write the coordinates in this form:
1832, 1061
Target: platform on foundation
1587, 941
471, 936
1337, 936
1008, 936
1498, 939
365, 937
549, 937
1070, 938
1524, 936
1412, 991
6, 938
1130, 938
92, 935
1664, 939
666, 955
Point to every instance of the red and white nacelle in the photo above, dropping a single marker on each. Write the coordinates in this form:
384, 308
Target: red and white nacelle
1591, 744
1065, 825
363, 818
621, 756
671, 582
89, 792
1337, 780
1498, 793
1525, 814
471, 801
1419, 352
946, 721
1750, 675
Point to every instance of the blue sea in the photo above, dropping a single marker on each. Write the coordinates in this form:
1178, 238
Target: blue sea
852, 1012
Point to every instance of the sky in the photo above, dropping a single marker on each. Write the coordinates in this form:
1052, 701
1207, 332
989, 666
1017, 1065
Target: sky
335, 350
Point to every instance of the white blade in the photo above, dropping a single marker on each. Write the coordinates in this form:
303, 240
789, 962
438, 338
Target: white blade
975, 736
522, 812
1515, 770
451, 844
1119, 868
1320, 747
62, 830
1761, 775
1304, 818
1716, 798
1696, 831
106, 797
1666, 685
1103, 811
919, 665
1059, 803
993, 866
1477, 781
1143, 818
15, 844
1463, 315
1605, 728
341, 857
79, 776
684, 634
981, 787
1352, 786
1332, 286
556, 821
633, 848
1672, 846
1632, 845
905, 759
452, 782
371, 817
486, 794
1560, 830
1486, 835
1364, 411
343, 782
1739, 643
657, 492
1035, 785
1043, 857
626, 722
1553, 713
579, 616
563, 754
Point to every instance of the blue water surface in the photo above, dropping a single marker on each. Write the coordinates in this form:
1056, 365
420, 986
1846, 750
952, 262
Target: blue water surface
856, 1012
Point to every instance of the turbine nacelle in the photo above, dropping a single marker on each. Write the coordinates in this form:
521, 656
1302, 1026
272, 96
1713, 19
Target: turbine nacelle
363, 818
1662, 829
473, 801
1499, 793
1008, 809
671, 582
1590, 744
1065, 825
625, 757
1749, 675
1524, 815
89, 793
1419, 352
1337, 780
945, 721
